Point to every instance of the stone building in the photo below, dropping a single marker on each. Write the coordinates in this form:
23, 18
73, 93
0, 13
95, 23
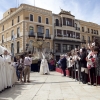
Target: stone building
21, 26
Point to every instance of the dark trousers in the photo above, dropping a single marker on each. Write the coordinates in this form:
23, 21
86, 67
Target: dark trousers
64, 71
93, 75
84, 77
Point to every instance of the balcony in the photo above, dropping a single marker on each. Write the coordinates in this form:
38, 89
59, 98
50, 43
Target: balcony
48, 37
59, 24
77, 28
40, 35
83, 41
31, 35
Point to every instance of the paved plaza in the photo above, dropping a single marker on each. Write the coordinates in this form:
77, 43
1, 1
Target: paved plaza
51, 87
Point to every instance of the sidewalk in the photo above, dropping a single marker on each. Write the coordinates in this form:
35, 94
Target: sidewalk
51, 87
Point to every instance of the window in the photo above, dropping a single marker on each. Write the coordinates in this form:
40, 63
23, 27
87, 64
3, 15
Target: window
82, 29
83, 38
97, 32
91, 30
58, 47
18, 46
39, 19
3, 28
12, 22
18, 20
64, 47
31, 17
69, 22
2, 38
47, 21
88, 30
57, 22
59, 33
68, 47
18, 32
31, 30
88, 39
40, 29
12, 34
75, 25
47, 32
12, 49
94, 31
77, 35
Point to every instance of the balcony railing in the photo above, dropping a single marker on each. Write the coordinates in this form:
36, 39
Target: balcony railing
48, 37
66, 36
40, 35
59, 25
31, 35
77, 28
83, 41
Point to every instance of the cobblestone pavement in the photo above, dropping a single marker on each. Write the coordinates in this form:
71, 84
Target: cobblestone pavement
51, 87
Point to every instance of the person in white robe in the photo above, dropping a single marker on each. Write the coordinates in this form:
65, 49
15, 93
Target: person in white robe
8, 68
44, 68
3, 78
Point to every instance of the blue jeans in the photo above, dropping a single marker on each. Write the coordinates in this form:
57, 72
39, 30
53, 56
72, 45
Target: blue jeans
18, 74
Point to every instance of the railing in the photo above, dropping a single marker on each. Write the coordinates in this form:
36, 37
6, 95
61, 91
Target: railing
59, 25
31, 35
60, 35
83, 41
48, 37
40, 35
77, 28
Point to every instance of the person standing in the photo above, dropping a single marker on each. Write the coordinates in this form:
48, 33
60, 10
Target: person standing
7, 60
84, 70
27, 65
44, 67
63, 65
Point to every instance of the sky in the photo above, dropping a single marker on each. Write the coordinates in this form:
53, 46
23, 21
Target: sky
87, 10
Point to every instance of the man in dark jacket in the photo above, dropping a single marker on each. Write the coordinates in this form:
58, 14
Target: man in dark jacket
63, 65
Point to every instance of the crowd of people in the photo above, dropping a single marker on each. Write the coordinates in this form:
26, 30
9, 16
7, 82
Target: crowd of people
14, 69
7, 71
85, 61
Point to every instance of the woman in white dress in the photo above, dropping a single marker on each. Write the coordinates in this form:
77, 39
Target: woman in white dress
44, 68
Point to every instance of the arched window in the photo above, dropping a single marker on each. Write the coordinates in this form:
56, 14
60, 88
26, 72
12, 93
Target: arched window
18, 46
31, 30
57, 22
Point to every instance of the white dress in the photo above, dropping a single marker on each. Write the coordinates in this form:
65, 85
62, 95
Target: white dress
1, 78
9, 69
44, 68
3, 74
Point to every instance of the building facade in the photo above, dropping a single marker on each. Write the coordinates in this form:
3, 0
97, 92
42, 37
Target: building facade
89, 31
21, 26
66, 33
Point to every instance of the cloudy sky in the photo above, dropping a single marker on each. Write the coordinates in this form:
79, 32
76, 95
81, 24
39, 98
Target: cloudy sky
88, 10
